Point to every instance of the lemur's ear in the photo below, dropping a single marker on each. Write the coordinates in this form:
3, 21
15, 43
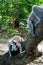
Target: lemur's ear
22, 40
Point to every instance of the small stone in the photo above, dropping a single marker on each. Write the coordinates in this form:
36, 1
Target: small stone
27, 64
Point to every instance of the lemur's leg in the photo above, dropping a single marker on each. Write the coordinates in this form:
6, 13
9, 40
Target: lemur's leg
20, 47
10, 47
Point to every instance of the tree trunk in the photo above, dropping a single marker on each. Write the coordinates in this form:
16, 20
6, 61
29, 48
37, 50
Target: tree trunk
16, 23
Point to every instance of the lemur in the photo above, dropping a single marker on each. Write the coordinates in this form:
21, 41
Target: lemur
14, 44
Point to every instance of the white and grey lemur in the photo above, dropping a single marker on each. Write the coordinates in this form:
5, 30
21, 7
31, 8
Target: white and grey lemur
14, 44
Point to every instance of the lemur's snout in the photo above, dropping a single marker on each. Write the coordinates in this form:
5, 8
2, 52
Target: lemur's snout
15, 43
16, 46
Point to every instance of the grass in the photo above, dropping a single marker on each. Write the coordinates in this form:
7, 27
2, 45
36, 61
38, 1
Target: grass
2, 40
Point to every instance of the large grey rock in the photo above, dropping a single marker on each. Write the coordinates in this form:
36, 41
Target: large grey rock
32, 42
38, 11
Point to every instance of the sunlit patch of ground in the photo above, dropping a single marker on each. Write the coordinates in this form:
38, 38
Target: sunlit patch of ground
3, 48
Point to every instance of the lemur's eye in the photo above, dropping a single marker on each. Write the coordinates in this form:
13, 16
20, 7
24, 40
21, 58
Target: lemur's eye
15, 43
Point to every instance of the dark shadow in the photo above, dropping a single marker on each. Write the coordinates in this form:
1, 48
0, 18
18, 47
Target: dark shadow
20, 59
0, 55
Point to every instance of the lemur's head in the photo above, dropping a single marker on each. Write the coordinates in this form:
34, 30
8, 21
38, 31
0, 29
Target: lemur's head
16, 42
18, 39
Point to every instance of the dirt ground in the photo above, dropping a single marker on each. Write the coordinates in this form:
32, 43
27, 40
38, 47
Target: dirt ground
4, 50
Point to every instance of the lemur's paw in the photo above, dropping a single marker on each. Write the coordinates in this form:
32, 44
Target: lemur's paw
10, 56
22, 52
